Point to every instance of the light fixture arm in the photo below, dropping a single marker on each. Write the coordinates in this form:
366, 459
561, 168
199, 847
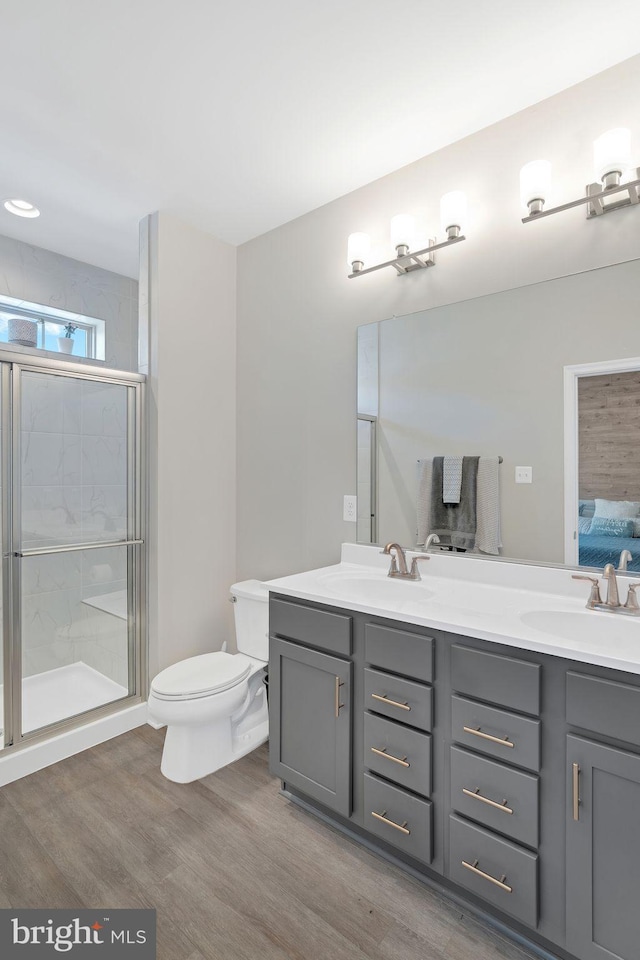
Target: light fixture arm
413, 260
595, 193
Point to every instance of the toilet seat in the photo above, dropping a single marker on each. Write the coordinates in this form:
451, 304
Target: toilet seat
201, 676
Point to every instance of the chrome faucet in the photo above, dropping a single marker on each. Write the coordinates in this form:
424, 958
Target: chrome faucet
625, 557
613, 596
432, 538
612, 603
398, 567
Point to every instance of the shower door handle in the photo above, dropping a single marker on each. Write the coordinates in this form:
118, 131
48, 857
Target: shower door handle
71, 547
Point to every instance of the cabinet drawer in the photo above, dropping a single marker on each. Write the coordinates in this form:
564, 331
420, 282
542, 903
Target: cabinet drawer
317, 628
399, 699
399, 651
497, 870
500, 797
498, 679
604, 706
398, 818
497, 733
398, 753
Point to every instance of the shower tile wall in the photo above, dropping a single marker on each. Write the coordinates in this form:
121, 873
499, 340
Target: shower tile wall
73, 491
41, 276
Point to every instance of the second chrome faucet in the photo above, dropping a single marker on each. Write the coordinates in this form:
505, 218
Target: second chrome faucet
612, 603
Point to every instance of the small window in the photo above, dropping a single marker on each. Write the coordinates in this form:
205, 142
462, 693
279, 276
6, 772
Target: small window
86, 334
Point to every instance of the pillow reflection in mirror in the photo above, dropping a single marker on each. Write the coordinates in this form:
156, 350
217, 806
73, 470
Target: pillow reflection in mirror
611, 527
617, 509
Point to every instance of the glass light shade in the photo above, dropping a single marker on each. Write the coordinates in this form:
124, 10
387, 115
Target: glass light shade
403, 230
358, 246
453, 210
535, 181
612, 151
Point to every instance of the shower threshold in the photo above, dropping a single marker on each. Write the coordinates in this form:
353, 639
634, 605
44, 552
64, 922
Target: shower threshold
63, 693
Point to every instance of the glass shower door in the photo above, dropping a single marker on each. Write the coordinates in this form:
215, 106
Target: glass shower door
76, 542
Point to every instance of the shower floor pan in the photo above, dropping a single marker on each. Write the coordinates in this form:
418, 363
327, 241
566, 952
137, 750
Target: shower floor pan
63, 693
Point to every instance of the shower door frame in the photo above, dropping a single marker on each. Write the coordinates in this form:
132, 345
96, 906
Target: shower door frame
12, 366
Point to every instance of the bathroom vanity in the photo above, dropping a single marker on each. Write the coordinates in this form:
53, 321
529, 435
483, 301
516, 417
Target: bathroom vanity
482, 733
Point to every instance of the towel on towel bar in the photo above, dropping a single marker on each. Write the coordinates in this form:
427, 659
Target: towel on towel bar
455, 523
451, 479
488, 534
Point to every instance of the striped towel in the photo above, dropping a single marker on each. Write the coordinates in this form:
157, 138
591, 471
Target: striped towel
451, 479
488, 534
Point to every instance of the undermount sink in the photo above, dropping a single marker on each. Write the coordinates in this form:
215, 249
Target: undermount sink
589, 625
373, 585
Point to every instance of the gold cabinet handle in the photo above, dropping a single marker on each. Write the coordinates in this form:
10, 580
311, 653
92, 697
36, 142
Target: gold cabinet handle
477, 732
487, 876
402, 827
476, 795
339, 684
390, 702
389, 756
576, 790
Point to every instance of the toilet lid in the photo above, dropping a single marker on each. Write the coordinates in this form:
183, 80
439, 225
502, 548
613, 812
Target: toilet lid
199, 676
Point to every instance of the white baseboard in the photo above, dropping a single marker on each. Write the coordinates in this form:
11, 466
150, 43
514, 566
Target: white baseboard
21, 763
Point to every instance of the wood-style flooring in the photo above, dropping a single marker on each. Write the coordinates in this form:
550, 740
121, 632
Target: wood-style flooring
235, 871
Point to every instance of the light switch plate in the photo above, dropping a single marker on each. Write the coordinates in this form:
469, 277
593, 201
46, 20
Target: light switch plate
524, 475
350, 508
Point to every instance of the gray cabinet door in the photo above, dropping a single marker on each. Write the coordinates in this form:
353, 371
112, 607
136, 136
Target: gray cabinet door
603, 851
310, 722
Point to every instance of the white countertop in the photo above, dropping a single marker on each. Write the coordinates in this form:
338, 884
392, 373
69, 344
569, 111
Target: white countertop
525, 606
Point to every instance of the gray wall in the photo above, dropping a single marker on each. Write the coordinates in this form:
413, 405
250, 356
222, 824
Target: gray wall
189, 301
41, 276
298, 312
486, 377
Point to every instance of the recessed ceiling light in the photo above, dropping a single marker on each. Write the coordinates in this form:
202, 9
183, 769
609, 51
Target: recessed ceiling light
21, 208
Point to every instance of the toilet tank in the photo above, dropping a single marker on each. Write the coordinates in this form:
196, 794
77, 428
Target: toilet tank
251, 610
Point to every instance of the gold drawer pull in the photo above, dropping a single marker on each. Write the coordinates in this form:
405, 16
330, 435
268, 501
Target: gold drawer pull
476, 795
487, 876
576, 791
339, 684
477, 732
391, 703
402, 827
389, 756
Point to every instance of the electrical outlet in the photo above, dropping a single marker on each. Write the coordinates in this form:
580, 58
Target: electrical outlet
350, 508
524, 475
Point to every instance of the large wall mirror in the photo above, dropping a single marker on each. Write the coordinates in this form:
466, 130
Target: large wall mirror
488, 377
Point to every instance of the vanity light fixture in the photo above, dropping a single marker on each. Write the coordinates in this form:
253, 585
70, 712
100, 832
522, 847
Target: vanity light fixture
453, 214
21, 208
612, 162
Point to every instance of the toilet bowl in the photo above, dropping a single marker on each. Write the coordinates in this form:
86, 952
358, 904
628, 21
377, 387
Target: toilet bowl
214, 705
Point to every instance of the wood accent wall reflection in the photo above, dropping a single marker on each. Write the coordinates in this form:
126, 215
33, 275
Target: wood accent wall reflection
609, 436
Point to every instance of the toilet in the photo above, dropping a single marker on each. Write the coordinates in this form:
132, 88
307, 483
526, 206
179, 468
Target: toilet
215, 705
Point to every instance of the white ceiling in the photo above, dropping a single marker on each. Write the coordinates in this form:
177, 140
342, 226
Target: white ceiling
239, 116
